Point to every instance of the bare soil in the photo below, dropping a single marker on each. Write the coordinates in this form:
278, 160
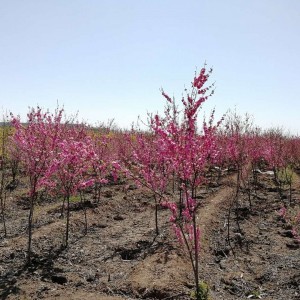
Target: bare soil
120, 257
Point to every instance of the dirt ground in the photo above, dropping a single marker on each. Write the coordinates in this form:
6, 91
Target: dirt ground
120, 257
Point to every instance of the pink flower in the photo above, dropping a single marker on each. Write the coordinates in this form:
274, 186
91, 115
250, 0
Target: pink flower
177, 233
282, 212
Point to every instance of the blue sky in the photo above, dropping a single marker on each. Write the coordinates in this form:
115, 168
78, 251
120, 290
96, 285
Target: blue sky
108, 59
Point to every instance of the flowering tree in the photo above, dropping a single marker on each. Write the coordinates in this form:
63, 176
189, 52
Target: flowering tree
256, 156
4, 176
279, 157
36, 142
274, 150
237, 135
68, 170
292, 217
149, 167
292, 155
190, 151
101, 163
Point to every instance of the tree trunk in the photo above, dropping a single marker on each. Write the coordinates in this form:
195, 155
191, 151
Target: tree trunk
30, 218
84, 210
3, 213
68, 220
156, 215
196, 253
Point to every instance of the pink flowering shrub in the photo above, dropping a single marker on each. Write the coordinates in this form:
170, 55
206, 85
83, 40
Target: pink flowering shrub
292, 217
69, 171
55, 156
148, 166
100, 164
36, 145
189, 149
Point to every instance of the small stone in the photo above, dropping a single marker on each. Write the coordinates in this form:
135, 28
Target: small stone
222, 264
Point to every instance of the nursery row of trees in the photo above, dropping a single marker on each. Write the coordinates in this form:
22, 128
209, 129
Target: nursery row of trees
173, 158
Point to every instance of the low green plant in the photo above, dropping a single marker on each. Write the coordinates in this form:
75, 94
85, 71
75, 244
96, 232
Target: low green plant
74, 198
286, 178
256, 294
203, 292
286, 175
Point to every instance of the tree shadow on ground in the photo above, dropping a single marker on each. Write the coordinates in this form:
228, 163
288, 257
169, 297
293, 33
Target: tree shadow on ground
44, 263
